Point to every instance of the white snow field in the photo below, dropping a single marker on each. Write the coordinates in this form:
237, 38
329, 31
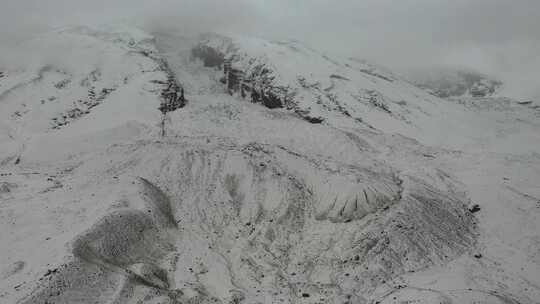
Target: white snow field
295, 177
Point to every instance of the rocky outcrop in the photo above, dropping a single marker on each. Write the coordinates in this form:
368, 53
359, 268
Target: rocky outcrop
209, 56
319, 88
81, 107
255, 82
446, 83
172, 93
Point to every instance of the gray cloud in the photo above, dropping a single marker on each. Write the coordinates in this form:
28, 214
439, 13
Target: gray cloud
501, 37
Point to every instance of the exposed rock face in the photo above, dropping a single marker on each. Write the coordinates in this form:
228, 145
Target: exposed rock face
446, 83
484, 88
210, 56
172, 96
318, 88
256, 80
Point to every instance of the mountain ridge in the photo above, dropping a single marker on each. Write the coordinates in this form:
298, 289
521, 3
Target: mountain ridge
226, 200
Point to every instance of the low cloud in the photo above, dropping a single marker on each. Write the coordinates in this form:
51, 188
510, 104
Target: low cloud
499, 37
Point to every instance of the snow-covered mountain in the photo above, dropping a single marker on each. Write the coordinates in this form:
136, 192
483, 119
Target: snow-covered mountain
288, 176
345, 92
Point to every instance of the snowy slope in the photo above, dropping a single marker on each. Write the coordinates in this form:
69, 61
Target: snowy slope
77, 81
341, 91
332, 196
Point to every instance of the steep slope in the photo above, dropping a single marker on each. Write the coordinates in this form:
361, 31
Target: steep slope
79, 80
342, 92
299, 196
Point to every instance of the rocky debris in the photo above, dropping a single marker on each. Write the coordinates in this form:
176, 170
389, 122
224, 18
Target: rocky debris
62, 84
56, 184
50, 99
332, 102
257, 85
374, 99
484, 88
172, 96
255, 81
303, 82
92, 77
337, 106
50, 272
209, 56
306, 115
81, 107
19, 114
335, 76
377, 100
373, 73
474, 208
313, 120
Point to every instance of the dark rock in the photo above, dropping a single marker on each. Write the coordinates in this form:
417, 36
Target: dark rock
474, 208
452, 83
339, 77
50, 271
271, 101
313, 120
373, 73
210, 56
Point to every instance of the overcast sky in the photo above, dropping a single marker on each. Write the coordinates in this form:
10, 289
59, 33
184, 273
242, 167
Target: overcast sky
499, 37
